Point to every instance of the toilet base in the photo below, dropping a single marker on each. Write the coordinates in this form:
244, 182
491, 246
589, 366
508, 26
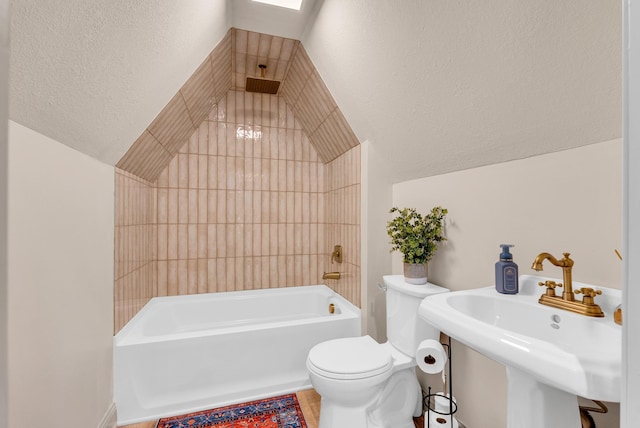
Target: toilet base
333, 415
342, 417
395, 407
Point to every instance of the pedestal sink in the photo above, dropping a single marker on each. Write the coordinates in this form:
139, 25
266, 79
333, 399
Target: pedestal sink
552, 355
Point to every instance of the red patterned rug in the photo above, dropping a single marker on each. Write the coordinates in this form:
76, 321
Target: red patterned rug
276, 412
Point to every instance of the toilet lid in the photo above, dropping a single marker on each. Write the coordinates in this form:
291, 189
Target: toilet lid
350, 358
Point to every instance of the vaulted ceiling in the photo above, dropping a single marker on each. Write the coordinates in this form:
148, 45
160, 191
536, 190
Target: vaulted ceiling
234, 59
434, 86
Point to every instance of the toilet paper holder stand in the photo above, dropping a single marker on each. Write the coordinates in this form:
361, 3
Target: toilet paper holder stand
429, 400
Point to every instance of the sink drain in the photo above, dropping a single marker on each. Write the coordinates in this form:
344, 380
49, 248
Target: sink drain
555, 320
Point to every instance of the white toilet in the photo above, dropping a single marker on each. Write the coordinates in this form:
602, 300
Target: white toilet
364, 384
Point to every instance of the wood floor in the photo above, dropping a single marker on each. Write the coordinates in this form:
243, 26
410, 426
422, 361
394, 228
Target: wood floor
309, 403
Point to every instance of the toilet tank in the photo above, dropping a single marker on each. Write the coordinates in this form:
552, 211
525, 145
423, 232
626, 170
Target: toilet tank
404, 329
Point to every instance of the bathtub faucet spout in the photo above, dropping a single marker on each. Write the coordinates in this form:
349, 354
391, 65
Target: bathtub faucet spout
331, 275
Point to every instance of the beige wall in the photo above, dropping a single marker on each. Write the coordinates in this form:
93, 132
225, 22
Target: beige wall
4, 119
566, 201
60, 290
245, 204
376, 201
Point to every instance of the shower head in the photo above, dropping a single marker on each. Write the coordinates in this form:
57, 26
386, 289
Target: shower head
262, 85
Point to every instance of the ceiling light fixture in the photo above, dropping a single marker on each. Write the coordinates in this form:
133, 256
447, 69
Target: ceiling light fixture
289, 4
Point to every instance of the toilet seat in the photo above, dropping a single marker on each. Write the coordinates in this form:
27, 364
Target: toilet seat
350, 358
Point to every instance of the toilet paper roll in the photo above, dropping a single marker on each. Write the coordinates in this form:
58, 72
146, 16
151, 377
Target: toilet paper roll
436, 420
431, 356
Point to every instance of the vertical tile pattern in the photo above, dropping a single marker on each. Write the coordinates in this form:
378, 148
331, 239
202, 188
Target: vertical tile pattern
313, 104
157, 145
221, 63
135, 242
342, 183
146, 148
242, 206
249, 49
234, 59
227, 190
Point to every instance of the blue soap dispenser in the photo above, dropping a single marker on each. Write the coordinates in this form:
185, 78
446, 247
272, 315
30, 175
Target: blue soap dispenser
506, 272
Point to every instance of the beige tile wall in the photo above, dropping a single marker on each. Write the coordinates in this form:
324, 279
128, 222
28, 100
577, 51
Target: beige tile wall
242, 206
312, 103
246, 203
235, 58
342, 182
159, 143
249, 49
135, 271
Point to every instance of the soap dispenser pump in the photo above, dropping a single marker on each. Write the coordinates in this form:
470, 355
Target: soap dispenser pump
506, 272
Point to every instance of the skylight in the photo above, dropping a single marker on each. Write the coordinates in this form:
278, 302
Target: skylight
289, 4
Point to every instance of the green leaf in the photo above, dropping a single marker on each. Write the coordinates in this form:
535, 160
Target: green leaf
414, 235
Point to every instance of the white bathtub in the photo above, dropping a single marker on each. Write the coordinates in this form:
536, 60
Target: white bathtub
187, 353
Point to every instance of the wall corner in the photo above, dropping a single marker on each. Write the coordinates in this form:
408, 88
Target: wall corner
376, 201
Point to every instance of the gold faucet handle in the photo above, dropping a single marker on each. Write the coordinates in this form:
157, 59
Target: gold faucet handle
550, 284
551, 287
337, 254
588, 292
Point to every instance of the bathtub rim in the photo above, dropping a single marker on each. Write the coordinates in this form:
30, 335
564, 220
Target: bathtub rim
125, 337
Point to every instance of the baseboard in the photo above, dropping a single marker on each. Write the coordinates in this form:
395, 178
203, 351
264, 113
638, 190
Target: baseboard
109, 420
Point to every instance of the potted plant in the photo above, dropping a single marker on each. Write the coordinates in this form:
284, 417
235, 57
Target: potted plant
416, 237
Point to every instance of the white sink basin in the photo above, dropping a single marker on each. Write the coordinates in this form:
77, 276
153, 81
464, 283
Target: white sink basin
577, 354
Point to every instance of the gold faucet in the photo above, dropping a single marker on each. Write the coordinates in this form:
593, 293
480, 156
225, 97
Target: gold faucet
331, 275
566, 264
567, 301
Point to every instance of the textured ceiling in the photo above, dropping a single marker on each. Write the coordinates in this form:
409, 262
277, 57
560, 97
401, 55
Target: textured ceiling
160, 142
441, 86
434, 86
94, 74
234, 59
